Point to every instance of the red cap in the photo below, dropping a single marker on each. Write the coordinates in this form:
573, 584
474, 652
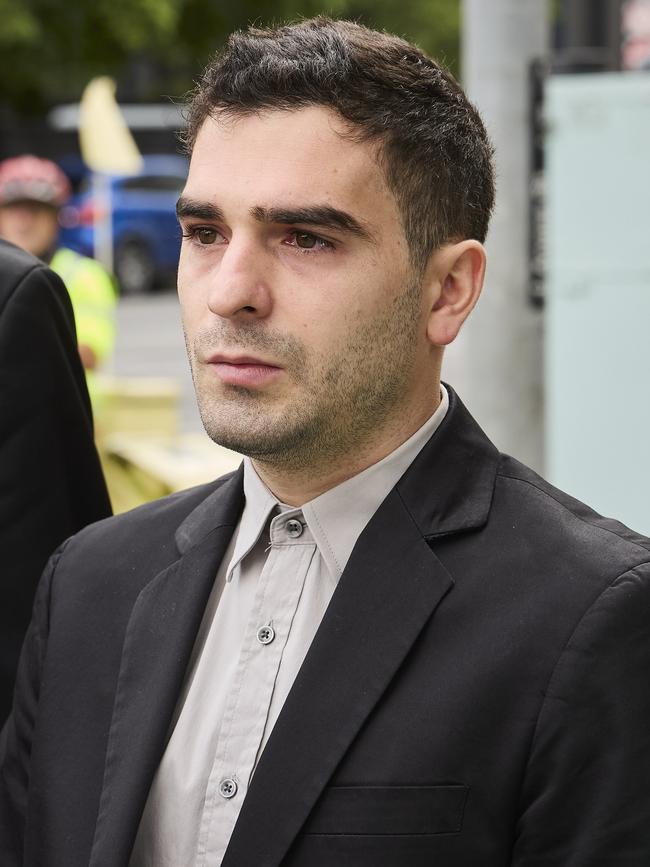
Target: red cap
32, 179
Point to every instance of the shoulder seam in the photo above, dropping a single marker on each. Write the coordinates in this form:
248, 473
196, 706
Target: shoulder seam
571, 512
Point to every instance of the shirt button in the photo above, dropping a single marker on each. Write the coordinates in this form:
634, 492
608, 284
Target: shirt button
227, 788
265, 634
294, 528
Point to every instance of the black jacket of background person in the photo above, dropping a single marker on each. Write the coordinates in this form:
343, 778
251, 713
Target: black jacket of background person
51, 483
477, 693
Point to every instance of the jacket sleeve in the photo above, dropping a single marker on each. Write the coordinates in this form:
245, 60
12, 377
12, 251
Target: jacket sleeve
51, 482
17, 735
586, 791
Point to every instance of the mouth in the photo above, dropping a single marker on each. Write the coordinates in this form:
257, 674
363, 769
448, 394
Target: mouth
243, 370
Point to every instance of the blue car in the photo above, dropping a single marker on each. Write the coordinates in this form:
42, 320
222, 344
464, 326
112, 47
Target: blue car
146, 235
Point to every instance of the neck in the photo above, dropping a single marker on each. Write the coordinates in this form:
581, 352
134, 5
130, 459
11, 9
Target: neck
296, 483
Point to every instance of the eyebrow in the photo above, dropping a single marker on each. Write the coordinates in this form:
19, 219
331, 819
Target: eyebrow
322, 216
186, 207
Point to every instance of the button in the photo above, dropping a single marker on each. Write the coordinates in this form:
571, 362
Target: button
294, 528
265, 634
227, 788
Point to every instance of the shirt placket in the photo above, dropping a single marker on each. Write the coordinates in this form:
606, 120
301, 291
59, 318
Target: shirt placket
249, 700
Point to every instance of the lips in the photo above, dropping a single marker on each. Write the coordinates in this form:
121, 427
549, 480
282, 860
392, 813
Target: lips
243, 370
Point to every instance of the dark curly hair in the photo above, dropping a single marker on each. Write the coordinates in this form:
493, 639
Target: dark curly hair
433, 147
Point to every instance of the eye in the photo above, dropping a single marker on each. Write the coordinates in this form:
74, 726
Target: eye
307, 241
204, 235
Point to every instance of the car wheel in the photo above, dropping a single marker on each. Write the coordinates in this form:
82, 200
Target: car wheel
134, 268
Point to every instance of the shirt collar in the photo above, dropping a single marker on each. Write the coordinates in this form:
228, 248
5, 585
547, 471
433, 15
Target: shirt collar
258, 505
336, 518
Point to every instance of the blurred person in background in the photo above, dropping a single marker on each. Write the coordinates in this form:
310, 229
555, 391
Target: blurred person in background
32, 192
51, 482
380, 642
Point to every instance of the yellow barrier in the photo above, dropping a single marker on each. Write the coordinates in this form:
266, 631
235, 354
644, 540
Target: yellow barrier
143, 455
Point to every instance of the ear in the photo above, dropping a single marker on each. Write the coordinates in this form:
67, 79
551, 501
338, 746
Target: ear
454, 278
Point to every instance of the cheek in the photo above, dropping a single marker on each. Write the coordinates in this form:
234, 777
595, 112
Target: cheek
11, 227
192, 304
47, 227
332, 333
195, 262
193, 278
185, 265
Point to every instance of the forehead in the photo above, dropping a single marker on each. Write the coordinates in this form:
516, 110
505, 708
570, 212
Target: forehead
293, 156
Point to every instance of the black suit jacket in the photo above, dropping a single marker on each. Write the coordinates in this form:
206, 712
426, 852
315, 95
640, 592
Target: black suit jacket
51, 483
477, 694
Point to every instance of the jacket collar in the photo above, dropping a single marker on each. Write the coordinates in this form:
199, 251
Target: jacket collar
449, 487
221, 508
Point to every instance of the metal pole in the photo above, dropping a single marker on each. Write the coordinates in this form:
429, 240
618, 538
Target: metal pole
103, 223
496, 362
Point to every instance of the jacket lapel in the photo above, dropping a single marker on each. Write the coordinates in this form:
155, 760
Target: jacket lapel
158, 643
389, 590
385, 596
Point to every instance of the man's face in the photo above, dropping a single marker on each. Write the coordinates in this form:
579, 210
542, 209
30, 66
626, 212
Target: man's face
304, 320
29, 225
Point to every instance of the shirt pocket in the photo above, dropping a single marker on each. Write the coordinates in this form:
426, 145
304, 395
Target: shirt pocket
389, 810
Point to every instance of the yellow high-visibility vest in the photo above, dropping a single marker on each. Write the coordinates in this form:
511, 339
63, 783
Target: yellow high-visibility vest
93, 300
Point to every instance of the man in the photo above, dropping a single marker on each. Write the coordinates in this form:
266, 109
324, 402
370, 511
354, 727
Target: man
32, 192
51, 482
379, 642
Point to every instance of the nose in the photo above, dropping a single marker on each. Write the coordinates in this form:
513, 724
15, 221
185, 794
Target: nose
240, 283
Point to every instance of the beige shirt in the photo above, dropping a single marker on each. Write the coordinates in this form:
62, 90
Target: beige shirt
274, 584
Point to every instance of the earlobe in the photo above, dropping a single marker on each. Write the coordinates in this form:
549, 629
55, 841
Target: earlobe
456, 272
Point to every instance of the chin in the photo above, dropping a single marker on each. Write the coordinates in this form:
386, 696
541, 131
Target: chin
242, 438
266, 444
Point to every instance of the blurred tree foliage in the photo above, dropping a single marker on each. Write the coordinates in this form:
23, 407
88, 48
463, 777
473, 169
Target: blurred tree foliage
51, 48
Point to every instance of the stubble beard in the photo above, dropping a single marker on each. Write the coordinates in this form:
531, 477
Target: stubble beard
333, 404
